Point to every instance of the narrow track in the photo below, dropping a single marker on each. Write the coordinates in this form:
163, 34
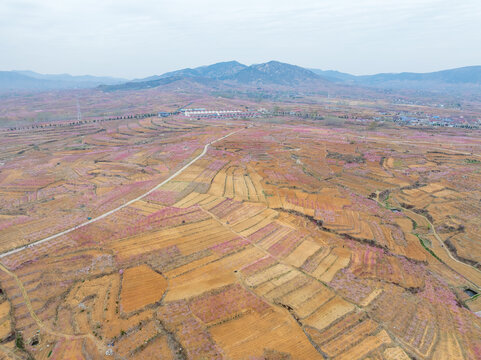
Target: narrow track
100, 346
448, 252
438, 238
177, 173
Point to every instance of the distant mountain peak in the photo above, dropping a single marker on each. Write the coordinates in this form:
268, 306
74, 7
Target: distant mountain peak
275, 72
221, 70
230, 73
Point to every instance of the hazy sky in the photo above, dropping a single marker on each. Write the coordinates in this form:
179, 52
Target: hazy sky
137, 38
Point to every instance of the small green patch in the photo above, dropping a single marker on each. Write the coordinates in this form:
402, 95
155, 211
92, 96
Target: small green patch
348, 158
475, 296
472, 161
387, 205
415, 224
19, 341
397, 163
427, 248
266, 194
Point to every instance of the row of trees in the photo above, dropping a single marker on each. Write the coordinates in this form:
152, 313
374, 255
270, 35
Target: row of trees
79, 122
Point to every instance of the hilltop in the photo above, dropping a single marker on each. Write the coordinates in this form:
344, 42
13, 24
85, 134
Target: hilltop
231, 73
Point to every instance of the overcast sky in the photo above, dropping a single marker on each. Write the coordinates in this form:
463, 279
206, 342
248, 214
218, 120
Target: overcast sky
137, 38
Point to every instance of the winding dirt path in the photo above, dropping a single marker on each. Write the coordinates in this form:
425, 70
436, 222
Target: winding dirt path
448, 252
441, 244
177, 173
100, 346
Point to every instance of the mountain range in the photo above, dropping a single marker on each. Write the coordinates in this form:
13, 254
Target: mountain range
445, 80
269, 74
274, 73
32, 81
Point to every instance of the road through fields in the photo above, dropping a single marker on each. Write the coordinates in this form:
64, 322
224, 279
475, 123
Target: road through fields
178, 172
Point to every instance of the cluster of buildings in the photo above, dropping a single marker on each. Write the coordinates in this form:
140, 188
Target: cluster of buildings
222, 114
210, 114
435, 120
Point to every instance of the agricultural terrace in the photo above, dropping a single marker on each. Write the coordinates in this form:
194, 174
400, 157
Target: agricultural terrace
285, 240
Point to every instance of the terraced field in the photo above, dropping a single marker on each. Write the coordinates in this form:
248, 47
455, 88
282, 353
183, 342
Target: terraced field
281, 241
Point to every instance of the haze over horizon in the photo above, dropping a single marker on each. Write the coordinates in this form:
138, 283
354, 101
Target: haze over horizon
137, 39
